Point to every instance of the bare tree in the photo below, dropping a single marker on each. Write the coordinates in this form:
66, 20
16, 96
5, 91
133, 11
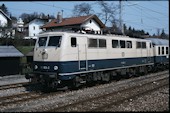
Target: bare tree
108, 13
29, 17
82, 9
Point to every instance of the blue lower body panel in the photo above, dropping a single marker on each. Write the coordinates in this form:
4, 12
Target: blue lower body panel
65, 69
161, 59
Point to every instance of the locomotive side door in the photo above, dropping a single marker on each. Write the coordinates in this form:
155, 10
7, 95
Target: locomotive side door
82, 53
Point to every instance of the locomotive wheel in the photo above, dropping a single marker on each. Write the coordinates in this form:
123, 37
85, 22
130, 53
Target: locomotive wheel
129, 74
146, 70
106, 77
75, 83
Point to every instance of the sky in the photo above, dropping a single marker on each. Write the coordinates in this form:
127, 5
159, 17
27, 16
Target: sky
150, 16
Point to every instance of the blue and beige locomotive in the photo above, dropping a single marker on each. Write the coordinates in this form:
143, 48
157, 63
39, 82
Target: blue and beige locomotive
71, 59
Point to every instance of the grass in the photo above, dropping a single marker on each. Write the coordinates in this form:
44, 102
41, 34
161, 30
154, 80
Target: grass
24, 50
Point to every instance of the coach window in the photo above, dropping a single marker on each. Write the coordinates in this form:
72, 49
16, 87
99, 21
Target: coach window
92, 42
73, 42
162, 50
159, 50
129, 44
115, 44
143, 45
102, 43
138, 44
167, 50
122, 44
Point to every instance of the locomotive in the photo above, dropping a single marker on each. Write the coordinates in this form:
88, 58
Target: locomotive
65, 59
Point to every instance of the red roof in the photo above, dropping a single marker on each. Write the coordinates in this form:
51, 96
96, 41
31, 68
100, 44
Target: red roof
73, 21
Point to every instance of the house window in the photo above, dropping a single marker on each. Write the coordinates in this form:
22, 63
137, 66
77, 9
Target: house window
90, 21
73, 42
34, 27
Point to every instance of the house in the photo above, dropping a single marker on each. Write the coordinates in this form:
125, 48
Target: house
5, 20
9, 60
89, 23
33, 27
20, 25
5, 23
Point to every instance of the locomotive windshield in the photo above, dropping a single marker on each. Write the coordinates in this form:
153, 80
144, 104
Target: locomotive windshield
53, 41
42, 41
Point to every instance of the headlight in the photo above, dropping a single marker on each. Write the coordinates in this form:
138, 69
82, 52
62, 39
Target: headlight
35, 67
55, 67
44, 56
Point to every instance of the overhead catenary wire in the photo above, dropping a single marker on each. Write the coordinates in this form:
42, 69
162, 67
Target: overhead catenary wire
137, 8
155, 2
147, 15
146, 8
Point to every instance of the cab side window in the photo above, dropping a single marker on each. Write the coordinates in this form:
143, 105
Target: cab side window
73, 42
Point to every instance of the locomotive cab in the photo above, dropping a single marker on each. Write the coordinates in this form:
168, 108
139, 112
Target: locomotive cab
47, 52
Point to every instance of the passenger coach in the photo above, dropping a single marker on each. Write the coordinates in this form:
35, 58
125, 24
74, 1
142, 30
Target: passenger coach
161, 53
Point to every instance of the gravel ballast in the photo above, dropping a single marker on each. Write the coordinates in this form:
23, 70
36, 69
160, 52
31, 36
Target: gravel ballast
154, 101
11, 79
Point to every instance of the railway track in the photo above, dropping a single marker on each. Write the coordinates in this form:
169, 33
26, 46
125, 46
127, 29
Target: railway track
97, 103
100, 103
13, 99
7, 101
15, 85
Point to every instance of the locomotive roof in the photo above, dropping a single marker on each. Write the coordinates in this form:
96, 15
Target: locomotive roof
121, 37
157, 41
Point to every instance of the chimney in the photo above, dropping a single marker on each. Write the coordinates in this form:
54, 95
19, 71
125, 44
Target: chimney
59, 17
